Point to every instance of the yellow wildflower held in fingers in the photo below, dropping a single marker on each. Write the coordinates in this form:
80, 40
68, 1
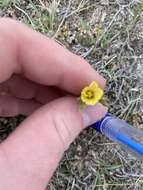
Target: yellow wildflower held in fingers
91, 94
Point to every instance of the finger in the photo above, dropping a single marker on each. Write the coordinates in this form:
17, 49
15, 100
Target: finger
11, 106
23, 88
49, 131
41, 59
19, 87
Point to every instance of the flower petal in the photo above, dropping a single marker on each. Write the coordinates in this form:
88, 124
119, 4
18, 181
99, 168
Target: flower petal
99, 93
93, 85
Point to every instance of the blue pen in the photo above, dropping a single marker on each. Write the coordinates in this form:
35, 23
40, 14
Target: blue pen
121, 132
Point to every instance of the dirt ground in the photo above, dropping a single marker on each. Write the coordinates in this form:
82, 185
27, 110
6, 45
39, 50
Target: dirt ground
109, 35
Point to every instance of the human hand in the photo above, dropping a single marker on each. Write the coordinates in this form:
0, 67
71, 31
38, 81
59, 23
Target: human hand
41, 79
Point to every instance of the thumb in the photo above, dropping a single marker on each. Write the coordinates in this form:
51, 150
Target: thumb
37, 146
67, 120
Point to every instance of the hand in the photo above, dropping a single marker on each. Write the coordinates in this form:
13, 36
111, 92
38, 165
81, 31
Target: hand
39, 78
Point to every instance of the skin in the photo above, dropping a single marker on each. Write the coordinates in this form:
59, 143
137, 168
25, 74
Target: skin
40, 79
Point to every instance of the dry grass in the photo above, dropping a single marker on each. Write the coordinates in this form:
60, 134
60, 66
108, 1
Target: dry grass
108, 34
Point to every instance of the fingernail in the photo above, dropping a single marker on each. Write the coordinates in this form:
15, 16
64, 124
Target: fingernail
92, 114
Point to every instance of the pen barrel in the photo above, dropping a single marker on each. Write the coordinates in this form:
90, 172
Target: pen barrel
131, 138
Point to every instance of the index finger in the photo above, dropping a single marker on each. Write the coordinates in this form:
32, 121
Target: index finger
41, 59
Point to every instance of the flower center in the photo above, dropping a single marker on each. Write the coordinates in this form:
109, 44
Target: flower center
90, 94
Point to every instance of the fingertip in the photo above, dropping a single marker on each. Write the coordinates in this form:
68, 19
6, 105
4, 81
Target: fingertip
92, 114
81, 74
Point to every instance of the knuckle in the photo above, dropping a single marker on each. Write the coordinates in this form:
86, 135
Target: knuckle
9, 27
7, 22
61, 128
6, 34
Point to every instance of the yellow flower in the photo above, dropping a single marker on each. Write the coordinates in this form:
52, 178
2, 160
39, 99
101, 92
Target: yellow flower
91, 94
